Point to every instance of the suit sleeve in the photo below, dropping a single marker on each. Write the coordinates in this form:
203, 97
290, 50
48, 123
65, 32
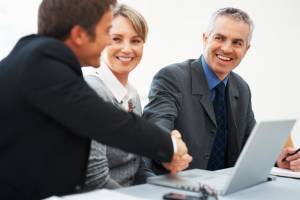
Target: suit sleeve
57, 91
164, 99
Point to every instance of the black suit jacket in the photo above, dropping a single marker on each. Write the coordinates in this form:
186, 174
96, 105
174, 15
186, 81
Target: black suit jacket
179, 99
48, 115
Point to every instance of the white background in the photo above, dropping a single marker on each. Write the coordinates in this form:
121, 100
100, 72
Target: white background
271, 66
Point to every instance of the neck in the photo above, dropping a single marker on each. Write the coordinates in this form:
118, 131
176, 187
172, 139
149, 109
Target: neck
68, 42
221, 76
123, 78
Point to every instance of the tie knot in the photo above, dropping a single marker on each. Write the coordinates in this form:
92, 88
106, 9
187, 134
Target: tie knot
220, 88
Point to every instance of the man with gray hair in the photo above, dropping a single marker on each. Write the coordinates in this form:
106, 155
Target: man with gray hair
203, 99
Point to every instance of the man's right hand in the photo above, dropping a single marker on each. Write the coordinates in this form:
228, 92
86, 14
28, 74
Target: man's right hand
181, 158
181, 147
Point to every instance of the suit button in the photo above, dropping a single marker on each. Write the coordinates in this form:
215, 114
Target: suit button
77, 188
206, 156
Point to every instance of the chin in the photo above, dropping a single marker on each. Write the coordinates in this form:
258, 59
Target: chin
95, 64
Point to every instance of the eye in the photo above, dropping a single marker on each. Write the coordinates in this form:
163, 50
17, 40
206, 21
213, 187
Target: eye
238, 43
116, 39
137, 41
218, 38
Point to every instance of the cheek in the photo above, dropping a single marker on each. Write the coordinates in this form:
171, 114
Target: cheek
209, 49
110, 53
240, 55
139, 52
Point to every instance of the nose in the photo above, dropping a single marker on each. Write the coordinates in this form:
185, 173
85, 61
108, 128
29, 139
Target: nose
226, 47
126, 47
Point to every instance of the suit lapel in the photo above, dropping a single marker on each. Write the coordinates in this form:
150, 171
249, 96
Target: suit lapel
233, 94
200, 88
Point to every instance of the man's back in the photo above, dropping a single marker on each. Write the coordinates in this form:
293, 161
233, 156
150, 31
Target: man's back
47, 115
29, 137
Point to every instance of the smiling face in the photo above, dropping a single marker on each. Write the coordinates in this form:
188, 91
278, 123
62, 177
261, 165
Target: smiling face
226, 45
126, 49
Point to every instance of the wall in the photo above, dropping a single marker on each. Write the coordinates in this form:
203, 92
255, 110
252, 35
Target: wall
270, 67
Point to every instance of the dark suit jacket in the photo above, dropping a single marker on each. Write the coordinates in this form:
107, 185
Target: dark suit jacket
179, 99
48, 114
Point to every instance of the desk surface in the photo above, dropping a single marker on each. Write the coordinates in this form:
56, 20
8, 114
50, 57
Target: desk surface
281, 188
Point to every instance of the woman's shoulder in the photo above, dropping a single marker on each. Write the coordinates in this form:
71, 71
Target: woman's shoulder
99, 87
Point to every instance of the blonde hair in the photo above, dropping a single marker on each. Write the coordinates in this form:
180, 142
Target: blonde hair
137, 20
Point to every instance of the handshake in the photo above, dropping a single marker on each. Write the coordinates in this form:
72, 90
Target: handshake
181, 158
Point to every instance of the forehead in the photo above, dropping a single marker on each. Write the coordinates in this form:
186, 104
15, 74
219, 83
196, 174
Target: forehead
231, 28
123, 26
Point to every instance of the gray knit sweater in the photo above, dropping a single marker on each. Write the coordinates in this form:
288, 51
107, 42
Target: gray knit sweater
109, 167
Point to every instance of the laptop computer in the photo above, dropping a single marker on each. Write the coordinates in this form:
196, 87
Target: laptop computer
252, 167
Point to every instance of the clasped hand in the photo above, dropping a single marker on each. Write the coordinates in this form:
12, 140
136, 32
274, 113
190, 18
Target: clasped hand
181, 158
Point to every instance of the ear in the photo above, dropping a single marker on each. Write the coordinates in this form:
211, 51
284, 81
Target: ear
78, 35
248, 47
204, 38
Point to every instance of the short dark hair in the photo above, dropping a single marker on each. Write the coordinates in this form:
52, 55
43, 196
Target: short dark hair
56, 18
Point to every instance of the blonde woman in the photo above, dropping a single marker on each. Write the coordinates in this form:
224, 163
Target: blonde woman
109, 167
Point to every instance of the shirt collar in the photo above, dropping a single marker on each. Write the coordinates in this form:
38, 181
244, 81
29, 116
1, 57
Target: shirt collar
211, 77
119, 91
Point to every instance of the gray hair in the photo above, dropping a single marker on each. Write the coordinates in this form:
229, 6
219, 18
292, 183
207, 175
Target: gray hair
235, 13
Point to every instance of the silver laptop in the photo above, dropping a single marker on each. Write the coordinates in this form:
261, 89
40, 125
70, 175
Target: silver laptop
252, 167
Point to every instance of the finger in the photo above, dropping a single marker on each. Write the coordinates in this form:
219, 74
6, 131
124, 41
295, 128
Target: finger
189, 158
167, 166
286, 151
182, 149
290, 150
295, 165
176, 134
284, 165
182, 159
180, 166
293, 157
173, 170
174, 167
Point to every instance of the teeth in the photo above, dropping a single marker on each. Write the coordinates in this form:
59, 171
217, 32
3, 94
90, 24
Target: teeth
124, 59
224, 58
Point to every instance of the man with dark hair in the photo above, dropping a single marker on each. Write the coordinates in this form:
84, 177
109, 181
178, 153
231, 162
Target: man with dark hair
48, 114
57, 18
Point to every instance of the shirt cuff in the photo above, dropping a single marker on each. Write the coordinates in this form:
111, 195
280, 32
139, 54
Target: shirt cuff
174, 144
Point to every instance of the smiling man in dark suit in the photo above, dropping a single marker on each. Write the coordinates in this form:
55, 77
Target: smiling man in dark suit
202, 98
48, 114
183, 95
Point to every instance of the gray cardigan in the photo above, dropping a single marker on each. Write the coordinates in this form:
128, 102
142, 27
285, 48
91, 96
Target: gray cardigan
110, 167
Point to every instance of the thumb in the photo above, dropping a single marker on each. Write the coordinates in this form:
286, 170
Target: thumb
176, 134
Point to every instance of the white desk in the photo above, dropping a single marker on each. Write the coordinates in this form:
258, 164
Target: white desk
280, 189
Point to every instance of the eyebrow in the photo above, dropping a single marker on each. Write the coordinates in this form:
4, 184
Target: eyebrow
116, 34
121, 35
234, 39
